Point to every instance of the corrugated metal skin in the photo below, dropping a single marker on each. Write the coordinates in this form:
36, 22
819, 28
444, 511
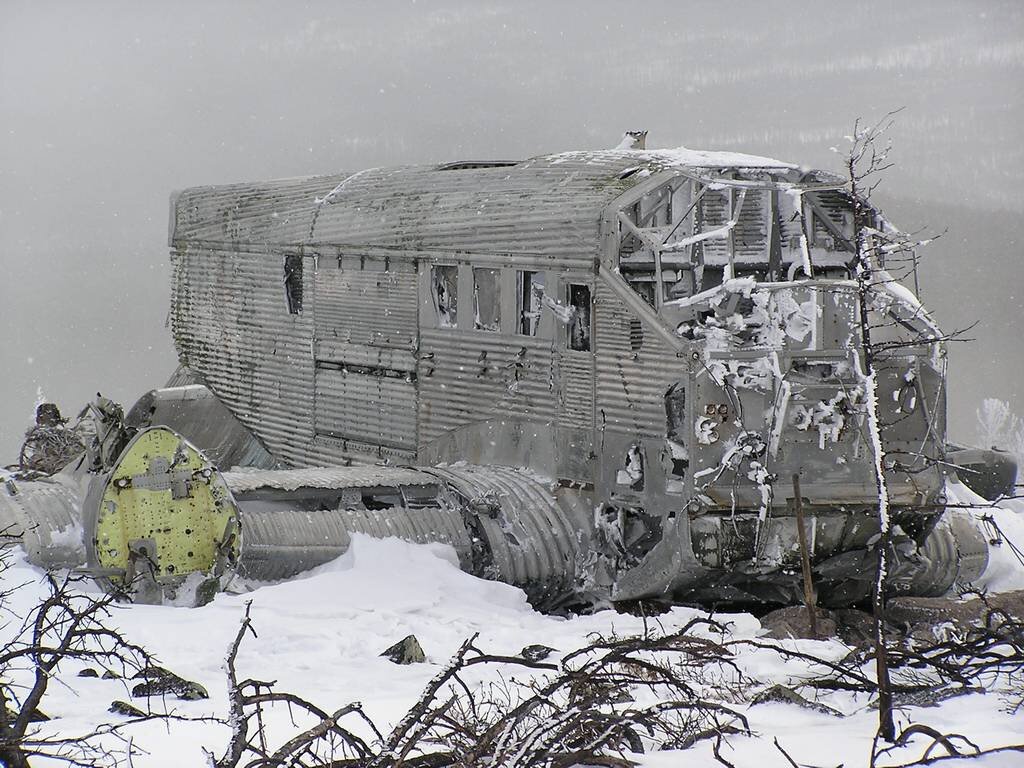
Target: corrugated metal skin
532, 540
231, 325
367, 407
576, 380
46, 514
460, 384
326, 477
548, 205
839, 210
278, 543
357, 301
277, 211
365, 311
631, 386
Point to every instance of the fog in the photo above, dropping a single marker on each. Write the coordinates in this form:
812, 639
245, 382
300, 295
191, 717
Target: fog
105, 108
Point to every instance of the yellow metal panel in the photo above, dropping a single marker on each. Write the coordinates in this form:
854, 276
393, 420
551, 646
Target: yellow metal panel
165, 491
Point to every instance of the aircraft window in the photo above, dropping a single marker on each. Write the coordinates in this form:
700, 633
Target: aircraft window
486, 303
531, 302
656, 208
293, 282
579, 324
632, 472
444, 280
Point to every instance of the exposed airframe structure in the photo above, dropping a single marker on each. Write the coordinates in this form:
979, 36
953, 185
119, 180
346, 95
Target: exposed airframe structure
648, 343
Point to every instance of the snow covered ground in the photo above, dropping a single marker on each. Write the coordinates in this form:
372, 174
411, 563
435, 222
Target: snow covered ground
320, 636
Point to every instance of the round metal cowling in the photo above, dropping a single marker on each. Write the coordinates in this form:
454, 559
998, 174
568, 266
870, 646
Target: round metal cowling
280, 541
160, 514
531, 538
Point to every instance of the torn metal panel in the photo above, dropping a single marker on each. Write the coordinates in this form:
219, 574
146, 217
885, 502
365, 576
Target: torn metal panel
991, 473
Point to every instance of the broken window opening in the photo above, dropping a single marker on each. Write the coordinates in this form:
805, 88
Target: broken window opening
630, 242
531, 302
579, 325
626, 534
444, 281
486, 299
675, 428
632, 473
644, 286
382, 499
293, 282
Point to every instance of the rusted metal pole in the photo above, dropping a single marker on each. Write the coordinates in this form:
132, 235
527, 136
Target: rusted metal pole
805, 558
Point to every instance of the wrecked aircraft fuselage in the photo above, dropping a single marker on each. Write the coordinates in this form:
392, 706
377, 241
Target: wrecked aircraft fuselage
595, 374
666, 337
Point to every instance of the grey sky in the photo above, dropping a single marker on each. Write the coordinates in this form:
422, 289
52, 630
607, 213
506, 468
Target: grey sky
106, 107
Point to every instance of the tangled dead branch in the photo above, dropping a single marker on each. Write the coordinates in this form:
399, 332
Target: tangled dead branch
615, 698
600, 703
65, 626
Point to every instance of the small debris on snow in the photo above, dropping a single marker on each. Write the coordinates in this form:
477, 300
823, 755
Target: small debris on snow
783, 695
119, 707
406, 651
537, 652
160, 682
